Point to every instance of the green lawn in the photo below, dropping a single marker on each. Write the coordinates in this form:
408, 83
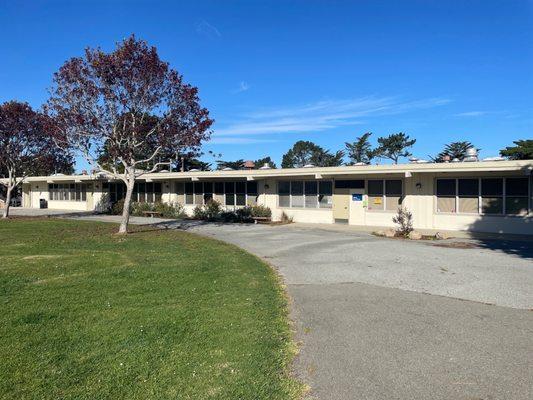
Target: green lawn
87, 314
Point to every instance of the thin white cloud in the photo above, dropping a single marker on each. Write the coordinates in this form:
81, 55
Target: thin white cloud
472, 114
206, 29
238, 140
243, 87
322, 115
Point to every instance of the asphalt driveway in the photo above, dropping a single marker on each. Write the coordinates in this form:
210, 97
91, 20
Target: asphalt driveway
387, 319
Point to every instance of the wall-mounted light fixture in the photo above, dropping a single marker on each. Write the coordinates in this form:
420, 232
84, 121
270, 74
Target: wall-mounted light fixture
267, 186
419, 186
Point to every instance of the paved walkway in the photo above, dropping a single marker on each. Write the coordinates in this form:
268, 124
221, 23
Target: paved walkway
387, 319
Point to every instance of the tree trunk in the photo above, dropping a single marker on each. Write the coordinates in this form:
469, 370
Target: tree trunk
127, 204
8, 201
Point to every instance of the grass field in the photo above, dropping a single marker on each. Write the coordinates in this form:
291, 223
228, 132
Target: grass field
87, 314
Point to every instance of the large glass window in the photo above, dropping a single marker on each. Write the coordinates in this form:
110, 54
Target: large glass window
492, 196
325, 194
393, 194
375, 195
189, 193
516, 196
468, 194
67, 191
297, 194
384, 194
230, 193
305, 194
446, 192
485, 195
284, 193
311, 191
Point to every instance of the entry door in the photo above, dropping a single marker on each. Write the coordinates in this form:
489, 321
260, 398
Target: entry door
357, 209
341, 205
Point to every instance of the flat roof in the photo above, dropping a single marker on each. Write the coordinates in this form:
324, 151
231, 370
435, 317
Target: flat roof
525, 166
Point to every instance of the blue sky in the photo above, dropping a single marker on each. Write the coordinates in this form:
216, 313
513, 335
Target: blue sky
274, 72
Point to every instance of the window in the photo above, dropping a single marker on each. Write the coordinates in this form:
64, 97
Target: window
189, 195
483, 195
251, 193
375, 195
516, 196
384, 194
305, 194
284, 193
230, 193
492, 196
446, 192
311, 191
393, 194
468, 194
297, 194
325, 194
208, 191
67, 191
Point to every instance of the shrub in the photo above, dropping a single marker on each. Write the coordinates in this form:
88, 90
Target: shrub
170, 210
199, 213
404, 219
138, 209
229, 216
116, 208
212, 210
261, 211
285, 218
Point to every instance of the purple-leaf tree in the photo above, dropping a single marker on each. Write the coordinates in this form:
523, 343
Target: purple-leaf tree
130, 106
26, 147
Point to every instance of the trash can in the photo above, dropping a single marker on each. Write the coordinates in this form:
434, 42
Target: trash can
43, 203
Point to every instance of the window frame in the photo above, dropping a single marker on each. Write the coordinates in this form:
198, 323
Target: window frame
71, 192
384, 195
503, 196
304, 195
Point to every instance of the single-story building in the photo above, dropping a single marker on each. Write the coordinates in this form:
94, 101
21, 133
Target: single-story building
486, 196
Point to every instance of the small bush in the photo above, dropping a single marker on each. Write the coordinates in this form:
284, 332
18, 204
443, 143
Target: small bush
170, 210
116, 208
285, 218
228, 216
404, 219
212, 210
138, 209
261, 211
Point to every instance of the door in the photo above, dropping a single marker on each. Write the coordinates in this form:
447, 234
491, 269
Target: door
357, 207
341, 205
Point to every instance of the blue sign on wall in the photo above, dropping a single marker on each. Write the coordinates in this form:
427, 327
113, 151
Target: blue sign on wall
357, 197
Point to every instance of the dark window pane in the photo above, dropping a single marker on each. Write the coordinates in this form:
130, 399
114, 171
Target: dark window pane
311, 187
142, 187
445, 187
230, 187
230, 199
516, 186
198, 187
180, 188
375, 188
393, 187
468, 187
188, 187
241, 199
492, 187
207, 197
326, 187
208, 187
350, 184
284, 187
219, 187
251, 187
157, 187
149, 187
516, 205
297, 187
492, 205
240, 187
